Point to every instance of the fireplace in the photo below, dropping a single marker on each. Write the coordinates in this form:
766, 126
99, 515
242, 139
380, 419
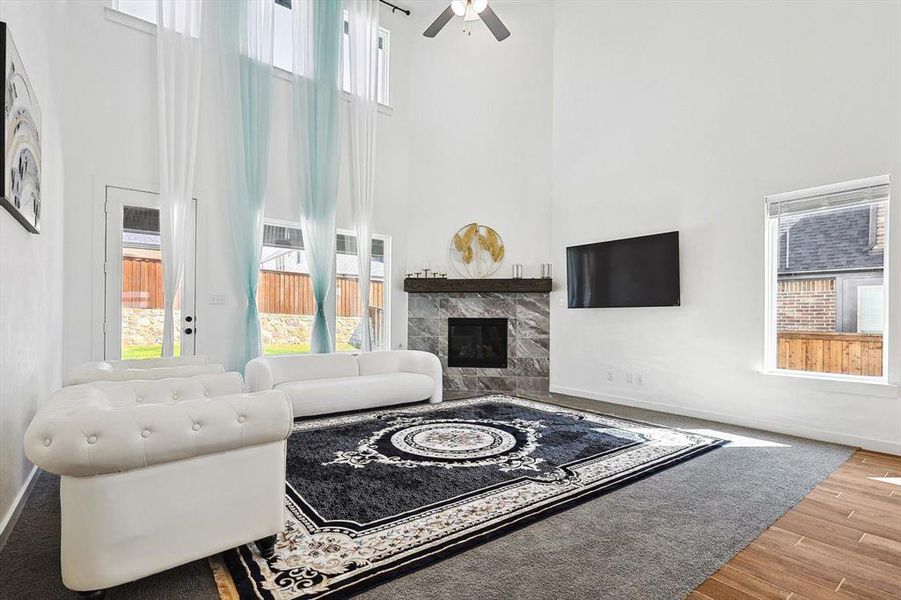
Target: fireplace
477, 343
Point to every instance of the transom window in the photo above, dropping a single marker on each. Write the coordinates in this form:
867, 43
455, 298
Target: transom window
827, 305
282, 42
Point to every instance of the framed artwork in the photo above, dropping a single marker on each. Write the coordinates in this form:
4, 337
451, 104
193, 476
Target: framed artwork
21, 139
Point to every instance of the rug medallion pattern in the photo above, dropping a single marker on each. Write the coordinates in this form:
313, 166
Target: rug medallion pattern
373, 495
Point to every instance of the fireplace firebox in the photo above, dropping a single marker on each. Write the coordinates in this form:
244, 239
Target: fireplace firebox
477, 343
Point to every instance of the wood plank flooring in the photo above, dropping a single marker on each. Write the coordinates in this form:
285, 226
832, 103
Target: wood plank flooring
841, 542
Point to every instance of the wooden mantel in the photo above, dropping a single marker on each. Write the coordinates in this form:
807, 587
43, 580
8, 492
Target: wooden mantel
437, 285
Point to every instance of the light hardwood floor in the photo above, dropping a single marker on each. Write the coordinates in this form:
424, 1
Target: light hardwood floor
842, 541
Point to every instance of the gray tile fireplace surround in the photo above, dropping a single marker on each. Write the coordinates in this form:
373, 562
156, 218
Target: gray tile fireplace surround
528, 331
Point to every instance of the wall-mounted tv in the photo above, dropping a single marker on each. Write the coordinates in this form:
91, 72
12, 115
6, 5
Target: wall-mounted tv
640, 271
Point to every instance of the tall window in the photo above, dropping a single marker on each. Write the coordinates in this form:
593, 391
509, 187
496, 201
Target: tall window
285, 297
828, 305
283, 39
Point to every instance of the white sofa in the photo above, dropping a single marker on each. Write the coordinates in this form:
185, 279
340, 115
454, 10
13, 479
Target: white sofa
155, 474
149, 368
327, 383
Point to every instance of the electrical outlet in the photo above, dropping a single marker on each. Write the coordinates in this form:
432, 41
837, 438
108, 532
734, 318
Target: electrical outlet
611, 376
628, 377
639, 379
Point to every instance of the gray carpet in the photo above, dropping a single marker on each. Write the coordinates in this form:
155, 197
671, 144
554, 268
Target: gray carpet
656, 538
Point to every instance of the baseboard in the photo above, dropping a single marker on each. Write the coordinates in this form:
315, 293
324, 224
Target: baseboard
12, 515
886, 446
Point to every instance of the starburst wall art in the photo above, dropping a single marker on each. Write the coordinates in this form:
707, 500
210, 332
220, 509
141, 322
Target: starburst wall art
21, 139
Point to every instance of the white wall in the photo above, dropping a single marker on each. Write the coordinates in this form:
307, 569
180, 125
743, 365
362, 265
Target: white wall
480, 134
111, 84
684, 116
31, 265
468, 138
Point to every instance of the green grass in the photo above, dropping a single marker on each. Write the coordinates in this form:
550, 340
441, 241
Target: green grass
155, 351
139, 352
269, 349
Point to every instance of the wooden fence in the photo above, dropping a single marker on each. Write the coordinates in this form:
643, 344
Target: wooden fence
142, 283
280, 291
847, 353
289, 293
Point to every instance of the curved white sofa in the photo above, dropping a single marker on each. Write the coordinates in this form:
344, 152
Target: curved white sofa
326, 383
155, 474
148, 368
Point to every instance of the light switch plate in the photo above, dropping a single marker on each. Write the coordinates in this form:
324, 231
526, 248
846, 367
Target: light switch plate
217, 299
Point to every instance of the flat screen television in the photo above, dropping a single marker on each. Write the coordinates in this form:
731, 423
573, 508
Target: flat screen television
640, 271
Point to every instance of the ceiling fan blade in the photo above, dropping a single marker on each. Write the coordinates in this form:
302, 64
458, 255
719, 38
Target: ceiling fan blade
494, 24
439, 23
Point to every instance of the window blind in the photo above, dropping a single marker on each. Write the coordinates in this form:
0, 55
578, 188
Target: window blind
867, 191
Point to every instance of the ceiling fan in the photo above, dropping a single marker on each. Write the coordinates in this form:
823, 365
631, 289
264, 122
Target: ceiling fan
470, 10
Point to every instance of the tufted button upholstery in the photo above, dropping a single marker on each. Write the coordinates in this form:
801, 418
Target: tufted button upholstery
148, 369
118, 427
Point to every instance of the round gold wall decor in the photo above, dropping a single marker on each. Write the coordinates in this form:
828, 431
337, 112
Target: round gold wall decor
476, 251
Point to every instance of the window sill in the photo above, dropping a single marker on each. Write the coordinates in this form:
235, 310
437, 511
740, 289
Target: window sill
288, 76
842, 384
117, 16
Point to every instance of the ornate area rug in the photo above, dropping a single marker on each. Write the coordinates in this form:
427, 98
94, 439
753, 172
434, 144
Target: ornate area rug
373, 495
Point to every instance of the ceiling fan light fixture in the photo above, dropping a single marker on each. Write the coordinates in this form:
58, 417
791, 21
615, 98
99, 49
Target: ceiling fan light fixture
459, 7
479, 5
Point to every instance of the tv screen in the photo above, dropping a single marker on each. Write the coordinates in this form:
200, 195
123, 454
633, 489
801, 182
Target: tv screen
641, 271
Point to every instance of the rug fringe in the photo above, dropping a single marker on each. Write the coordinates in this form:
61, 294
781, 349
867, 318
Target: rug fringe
224, 582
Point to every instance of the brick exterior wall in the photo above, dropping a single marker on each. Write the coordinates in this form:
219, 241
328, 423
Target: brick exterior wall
806, 305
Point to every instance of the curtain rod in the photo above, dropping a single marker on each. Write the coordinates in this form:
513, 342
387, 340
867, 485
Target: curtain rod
395, 7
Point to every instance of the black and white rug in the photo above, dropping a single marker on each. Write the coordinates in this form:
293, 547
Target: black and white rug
373, 495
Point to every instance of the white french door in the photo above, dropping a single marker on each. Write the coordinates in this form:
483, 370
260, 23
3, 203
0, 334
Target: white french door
134, 304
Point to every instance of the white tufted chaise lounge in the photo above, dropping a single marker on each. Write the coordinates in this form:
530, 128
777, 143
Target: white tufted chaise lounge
327, 383
155, 474
148, 368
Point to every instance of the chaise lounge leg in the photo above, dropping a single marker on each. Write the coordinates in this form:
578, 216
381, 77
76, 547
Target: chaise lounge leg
92, 594
266, 546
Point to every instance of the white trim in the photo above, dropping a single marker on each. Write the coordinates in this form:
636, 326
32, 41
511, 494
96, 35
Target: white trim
854, 385
280, 73
877, 445
16, 506
123, 18
832, 188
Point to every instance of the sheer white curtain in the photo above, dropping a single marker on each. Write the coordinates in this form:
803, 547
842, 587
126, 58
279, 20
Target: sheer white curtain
244, 48
178, 50
318, 26
363, 63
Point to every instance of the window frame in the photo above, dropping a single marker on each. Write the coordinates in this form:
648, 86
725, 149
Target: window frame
115, 13
771, 267
386, 282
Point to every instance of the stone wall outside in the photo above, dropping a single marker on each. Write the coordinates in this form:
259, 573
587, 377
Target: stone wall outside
144, 327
